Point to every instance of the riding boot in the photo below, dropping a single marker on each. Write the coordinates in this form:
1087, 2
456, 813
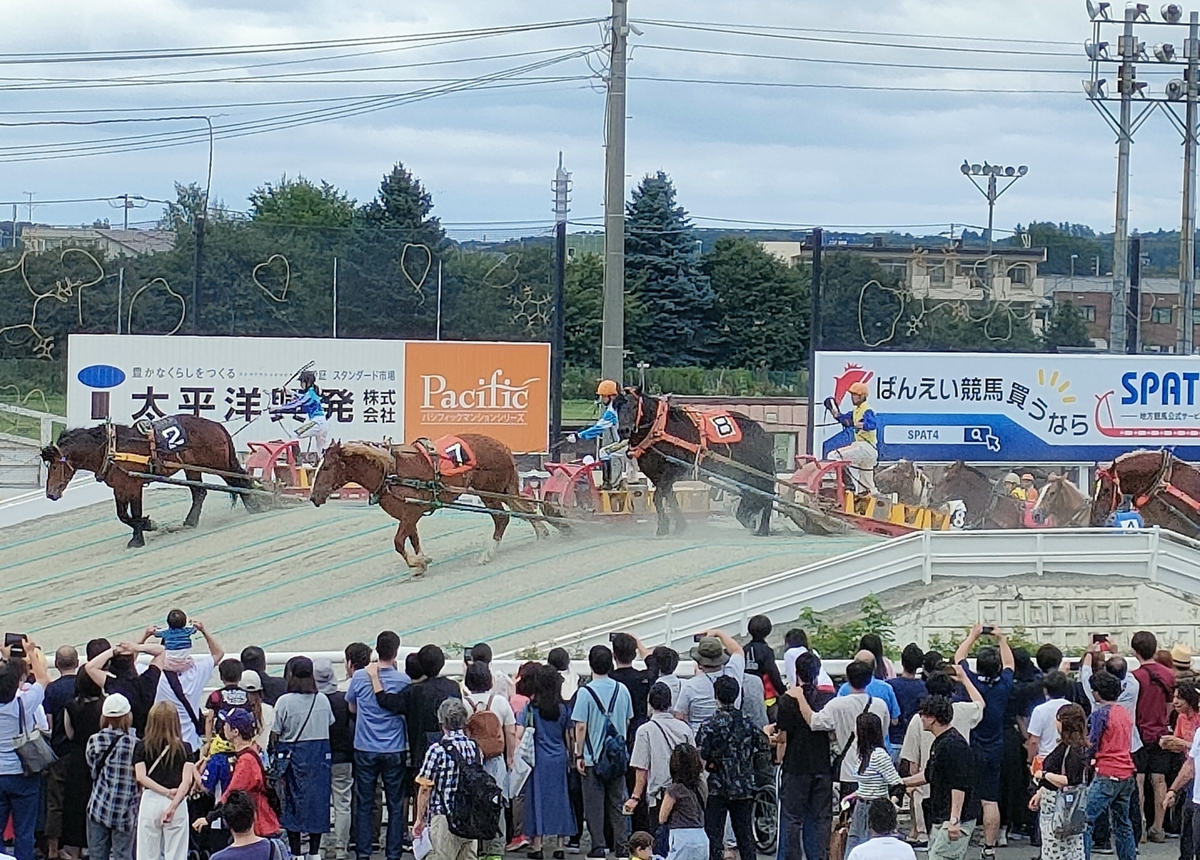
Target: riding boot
606, 474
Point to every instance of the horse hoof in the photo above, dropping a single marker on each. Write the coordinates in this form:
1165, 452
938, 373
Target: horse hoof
188, 524
135, 543
151, 527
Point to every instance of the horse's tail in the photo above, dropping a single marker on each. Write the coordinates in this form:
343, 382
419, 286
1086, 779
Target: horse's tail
240, 478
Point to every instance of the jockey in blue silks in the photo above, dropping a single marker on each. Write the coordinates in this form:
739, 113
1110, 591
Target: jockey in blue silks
308, 403
605, 429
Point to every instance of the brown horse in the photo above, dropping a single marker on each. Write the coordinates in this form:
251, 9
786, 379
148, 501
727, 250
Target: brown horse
1164, 489
381, 470
208, 447
1061, 505
909, 482
988, 506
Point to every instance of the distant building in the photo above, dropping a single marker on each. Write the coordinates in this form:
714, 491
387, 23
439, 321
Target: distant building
584, 243
107, 241
945, 272
1160, 300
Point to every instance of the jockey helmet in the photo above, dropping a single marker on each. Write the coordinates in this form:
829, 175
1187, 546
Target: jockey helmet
1011, 478
308, 379
859, 388
1027, 477
607, 388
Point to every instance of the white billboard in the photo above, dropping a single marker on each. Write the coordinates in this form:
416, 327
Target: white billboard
1020, 408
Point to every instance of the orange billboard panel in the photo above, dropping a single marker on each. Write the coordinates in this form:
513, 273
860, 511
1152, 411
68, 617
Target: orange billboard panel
501, 390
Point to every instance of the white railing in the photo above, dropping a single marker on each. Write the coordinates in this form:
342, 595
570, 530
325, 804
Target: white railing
1158, 556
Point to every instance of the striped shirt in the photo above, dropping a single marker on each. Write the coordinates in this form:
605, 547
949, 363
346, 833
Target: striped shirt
878, 777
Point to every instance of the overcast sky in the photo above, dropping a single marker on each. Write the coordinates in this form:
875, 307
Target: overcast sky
821, 153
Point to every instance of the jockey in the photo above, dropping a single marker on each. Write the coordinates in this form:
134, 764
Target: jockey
1125, 516
1012, 486
605, 429
308, 403
1031, 493
861, 453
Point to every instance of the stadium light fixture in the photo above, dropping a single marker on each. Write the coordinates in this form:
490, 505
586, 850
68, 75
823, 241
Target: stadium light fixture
1098, 10
976, 169
1141, 11
1172, 13
1095, 89
1176, 90
1022, 170
1164, 53
966, 168
1095, 51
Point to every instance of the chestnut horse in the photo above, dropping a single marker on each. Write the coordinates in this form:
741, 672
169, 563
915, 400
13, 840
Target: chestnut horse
209, 447
987, 504
908, 481
1163, 488
376, 468
1061, 505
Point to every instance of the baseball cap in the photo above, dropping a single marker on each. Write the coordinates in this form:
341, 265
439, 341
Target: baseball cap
250, 682
116, 705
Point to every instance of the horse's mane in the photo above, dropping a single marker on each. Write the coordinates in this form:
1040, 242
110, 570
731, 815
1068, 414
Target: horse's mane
96, 435
381, 457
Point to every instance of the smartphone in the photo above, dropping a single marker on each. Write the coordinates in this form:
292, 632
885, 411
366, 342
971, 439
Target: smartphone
697, 637
987, 631
15, 643
467, 655
1099, 637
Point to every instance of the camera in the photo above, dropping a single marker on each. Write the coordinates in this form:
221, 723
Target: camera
15, 643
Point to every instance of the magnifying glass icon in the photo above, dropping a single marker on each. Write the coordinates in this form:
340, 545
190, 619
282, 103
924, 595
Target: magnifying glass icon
975, 435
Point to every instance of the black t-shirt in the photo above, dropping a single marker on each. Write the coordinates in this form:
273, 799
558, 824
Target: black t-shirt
760, 661
341, 732
140, 690
951, 767
168, 773
272, 688
59, 693
418, 703
1069, 761
807, 751
638, 682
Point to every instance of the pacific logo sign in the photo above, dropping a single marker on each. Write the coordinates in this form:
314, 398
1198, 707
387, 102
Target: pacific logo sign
495, 400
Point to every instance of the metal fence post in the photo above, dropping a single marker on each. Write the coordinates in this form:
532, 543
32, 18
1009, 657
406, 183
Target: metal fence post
1152, 561
927, 556
1041, 555
670, 633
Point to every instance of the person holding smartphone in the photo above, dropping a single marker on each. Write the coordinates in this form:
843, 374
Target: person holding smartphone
19, 794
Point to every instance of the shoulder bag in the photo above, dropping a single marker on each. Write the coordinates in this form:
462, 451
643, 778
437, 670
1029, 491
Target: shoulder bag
177, 688
31, 747
282, 760
523, 758
841, 756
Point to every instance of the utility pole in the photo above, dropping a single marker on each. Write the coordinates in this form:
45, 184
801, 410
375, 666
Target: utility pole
562, 199
612, 349
198, 263
1133, 319
1187, 235
29, 211
1118, 324
816, 242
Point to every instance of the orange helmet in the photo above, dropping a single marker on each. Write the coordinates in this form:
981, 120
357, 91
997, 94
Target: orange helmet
607, 388
859, 388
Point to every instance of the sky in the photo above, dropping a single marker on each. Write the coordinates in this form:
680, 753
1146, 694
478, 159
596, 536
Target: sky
789, 113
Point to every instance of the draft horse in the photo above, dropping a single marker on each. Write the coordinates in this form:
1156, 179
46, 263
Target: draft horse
908, 481
208, 448
1163, 488
987, 505
1061, 505
408, 485
664, 438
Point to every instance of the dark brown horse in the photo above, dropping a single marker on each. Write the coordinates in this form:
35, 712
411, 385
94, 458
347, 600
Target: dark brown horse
208, 448
988, 506
1164, 489
639, 421
909, 482
376, 468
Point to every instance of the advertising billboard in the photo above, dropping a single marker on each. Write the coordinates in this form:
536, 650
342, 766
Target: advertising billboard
371, 389
1015, 408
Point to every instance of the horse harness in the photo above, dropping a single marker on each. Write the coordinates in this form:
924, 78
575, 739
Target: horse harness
391, 480
658, 431
1162, 485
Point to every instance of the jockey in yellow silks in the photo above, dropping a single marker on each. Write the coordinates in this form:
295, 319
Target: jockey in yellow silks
862, 453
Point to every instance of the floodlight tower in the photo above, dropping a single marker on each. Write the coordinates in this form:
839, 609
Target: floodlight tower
993, 192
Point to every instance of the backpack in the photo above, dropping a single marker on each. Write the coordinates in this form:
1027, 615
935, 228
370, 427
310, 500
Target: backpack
485, 729
269, 790
476, 805
612, 760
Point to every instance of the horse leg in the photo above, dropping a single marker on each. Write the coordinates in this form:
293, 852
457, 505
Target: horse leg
493, 543
680, 520
764, 520
123, 510
137, 522
198, 496
405, 532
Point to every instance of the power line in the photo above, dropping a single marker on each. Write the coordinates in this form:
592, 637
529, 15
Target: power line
856, 87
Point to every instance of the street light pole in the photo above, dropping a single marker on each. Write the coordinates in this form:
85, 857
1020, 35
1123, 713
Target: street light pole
612, 348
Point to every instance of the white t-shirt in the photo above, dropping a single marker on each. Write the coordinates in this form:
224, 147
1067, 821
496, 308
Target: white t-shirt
840, 716
1194, 754
191, 681
789, 668
1044, 726
476, 702
882, 848
918, 742
263, 738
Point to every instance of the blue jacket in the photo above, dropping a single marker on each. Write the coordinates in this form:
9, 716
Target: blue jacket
608, 421
307, 402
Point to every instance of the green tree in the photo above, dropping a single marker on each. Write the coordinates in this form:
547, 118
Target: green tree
1063, 240
861, 305
301, 202
404, 204
1066, 327
583, 310
762, 306
662, 270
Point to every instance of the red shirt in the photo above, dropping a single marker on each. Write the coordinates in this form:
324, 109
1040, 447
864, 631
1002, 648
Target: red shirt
1156, 688
1113, 758
1185, 726
249, 776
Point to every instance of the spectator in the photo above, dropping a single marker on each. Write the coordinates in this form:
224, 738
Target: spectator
728, 745
548, 810
418, 703
482, 699
953, 806
19, 793
248, 773
501, 683
1181, 657
1163, 656
182, 685
878, 688
1179, 743
110, 810
662, 663
1043, 731
1015, 780
882, 666
115, 671
918, 741
1064, 765
520, 697
682, 811
795, 643
237, 813
1110, 728
302, 720
162, 769
264, 714
341, 748
641, 846
883, 844
840, 716
909, 690
81, 720
560, 659
760, 661
1156, 691
58, 694
994, 680
380, 750
437, 783
806, 786
255, 660
876, 775
230, 696
653, 743
1050, 659
753, 704
716, 655
625, 649
1190, 831
600, 703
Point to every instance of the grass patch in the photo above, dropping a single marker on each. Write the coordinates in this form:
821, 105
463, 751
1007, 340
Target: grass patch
30, 428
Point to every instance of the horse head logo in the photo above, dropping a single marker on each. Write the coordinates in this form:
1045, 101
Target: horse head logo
852, 374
